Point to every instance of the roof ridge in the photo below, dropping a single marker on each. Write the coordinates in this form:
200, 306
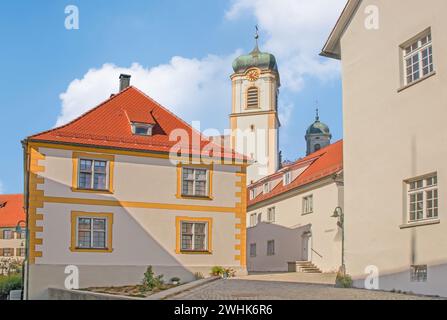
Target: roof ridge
113, 96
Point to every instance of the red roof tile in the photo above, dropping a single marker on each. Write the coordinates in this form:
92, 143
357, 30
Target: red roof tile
11, 210
321, 164
108, 125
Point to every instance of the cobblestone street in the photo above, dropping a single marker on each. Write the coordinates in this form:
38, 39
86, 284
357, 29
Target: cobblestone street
241, 289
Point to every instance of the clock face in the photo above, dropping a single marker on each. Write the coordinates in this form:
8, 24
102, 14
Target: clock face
253, 75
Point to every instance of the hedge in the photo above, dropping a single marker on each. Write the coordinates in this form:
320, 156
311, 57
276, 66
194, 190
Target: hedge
8, 283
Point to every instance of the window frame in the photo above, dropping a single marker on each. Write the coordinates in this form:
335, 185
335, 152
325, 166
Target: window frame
76, 215
417, 51
148, 127
287, 178
269, 214
421, 189
10, 232
253, 220
308, 209
209, 181
208, 235
109, 171
271, 251
10, 250
253, 252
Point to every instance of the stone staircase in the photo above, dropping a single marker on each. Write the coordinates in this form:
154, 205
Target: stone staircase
303, 267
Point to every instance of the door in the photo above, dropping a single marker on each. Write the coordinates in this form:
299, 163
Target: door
306, 253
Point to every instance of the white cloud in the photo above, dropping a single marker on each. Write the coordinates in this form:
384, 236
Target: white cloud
192, 88
295, 31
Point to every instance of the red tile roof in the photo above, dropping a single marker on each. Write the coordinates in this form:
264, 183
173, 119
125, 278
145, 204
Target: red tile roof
11, 210
108, 125
321, 164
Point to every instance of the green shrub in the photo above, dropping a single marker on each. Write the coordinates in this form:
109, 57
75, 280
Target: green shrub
217, 271
150, 281
199, 276
8, 283
343, 281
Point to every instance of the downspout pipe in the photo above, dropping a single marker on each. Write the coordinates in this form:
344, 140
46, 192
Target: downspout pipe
25, 275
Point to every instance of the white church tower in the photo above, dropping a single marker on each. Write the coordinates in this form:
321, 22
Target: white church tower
254, 118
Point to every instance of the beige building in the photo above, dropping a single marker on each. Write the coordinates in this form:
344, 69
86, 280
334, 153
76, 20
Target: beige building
116, 191
289, 221
12, 222
394, 69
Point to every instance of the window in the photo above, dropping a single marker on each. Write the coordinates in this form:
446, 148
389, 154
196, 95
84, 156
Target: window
193, 235
252, 194
418, 59
20, 252
423, 199
141, 129
271, 248
92, 174
195, 182
21, 235
308, 204
419, 273
91, 232
253, 219
7, 252
287, 178
271, 214
266, 187
252, 98
8, 234
317, 147
253, 250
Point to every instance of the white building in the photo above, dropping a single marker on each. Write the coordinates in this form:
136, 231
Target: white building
289, 221
394, 67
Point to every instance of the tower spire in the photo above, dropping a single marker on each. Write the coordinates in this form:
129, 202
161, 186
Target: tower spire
256, 49
317, 113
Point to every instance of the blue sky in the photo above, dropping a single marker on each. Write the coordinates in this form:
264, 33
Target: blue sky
176, 45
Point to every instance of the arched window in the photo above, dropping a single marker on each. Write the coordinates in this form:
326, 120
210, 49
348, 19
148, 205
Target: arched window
317, 147
252, 98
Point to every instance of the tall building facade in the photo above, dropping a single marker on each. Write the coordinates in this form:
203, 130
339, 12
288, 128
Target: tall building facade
394, 109
254, 118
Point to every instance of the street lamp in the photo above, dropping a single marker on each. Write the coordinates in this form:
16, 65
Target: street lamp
338, 213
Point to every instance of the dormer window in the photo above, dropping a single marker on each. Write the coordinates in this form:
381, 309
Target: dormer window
142, 129
266, 187
252, 194
287, 178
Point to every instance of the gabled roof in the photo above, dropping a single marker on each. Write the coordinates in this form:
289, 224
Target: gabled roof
321, 164
109, 126
332, 47
11, 210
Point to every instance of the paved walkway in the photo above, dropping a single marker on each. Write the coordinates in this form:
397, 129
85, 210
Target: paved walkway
244, 289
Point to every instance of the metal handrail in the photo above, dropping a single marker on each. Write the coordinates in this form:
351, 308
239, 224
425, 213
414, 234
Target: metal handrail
317, 253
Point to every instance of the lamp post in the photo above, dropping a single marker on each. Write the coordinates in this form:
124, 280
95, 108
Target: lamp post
339, 214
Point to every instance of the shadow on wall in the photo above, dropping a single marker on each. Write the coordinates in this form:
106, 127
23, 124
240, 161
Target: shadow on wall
289, 246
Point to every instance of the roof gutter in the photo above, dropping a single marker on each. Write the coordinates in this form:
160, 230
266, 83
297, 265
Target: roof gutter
331, 48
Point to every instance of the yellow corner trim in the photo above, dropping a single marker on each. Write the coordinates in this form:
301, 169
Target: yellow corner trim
75, 215
178, 231
210, 169
78, 155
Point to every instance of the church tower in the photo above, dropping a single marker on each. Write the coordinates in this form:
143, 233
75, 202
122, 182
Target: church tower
254, 118
318, 135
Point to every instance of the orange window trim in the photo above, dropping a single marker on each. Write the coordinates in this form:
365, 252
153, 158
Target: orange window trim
178, 232
74, 217
93, 156
209, 168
